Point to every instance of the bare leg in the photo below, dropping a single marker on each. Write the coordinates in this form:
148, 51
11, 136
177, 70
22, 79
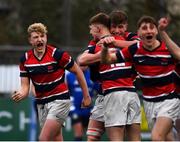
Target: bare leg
161, 129
95, 130
115, 133
178, 128
51, 130
59, 137
133, 132
78, 131
170, 136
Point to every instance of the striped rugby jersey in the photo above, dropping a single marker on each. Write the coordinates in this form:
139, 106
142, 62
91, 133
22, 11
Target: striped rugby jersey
115, 77
177, 77
155, 69
47, 74
129, 36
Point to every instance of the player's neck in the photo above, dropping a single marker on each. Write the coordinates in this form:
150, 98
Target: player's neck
105, 33
39, 54
153, 46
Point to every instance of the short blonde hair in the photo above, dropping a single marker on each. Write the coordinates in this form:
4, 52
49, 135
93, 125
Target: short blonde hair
37, 27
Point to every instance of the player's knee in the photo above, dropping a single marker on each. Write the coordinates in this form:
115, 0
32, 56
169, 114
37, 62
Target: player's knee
43, 138
94, 134
157, 137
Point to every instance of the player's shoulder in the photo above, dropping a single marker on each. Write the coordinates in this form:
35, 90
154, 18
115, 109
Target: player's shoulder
129, 36
53, 48
55, 51
134, 48
92, 43
26, 55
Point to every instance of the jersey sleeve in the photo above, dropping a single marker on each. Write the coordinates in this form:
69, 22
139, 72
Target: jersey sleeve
120, 57
64, 59
94, 68
132, 36
91, 49
126, 54
22, 68
91, 46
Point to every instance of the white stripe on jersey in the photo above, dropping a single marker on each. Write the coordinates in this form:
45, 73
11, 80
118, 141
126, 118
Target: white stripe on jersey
154, 56
53, 95
68, 62
36, 65
23, 71
121, 54
53, 52
156, 76
90, 46
116, 68
177, 74
26, 55
48, 83
119, 87
151, 97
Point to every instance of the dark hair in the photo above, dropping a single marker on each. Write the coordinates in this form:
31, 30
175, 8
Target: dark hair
100, 18
118, 17
146, 19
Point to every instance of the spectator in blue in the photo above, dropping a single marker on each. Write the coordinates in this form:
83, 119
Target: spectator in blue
79, 116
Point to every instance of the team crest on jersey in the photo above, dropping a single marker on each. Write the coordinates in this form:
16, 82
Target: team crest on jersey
50, 68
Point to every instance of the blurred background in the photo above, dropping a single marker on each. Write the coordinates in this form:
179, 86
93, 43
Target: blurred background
67, 22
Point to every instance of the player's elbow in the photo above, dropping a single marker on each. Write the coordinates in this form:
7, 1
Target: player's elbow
81, 61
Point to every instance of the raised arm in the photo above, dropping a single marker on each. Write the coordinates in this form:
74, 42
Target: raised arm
82, 82
116, 42
172, 46
124, 43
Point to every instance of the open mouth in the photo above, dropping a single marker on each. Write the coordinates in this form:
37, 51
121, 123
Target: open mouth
39, 44
115, 33
149, 37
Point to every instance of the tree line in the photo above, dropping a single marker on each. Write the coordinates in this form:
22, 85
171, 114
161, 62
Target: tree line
67, 20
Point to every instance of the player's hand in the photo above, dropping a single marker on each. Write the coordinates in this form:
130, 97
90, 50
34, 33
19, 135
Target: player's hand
107, 40
17, 96
163, 23
86, 102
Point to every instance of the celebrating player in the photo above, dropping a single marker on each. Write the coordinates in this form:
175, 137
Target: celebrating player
45, 66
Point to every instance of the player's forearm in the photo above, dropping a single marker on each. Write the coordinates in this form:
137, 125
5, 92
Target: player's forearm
82, 83
172, 46
25, 86
87, 59
81, 79
123, 43
25, 90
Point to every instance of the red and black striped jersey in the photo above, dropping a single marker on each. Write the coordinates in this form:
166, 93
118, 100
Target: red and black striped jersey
47, 74
115, 77
129, 36
177, 77
94, 73
92, 43
155, 69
